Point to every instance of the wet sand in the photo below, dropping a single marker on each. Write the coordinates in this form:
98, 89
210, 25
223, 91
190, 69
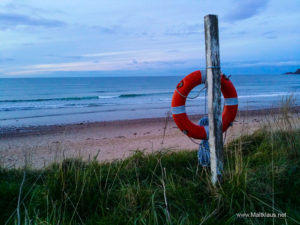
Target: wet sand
114, 140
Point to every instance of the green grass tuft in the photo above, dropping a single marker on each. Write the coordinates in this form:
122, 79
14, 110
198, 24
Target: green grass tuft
261, 174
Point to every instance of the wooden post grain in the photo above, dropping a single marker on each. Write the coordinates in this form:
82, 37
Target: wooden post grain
214, 96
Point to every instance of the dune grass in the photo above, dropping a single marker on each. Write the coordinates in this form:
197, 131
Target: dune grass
261, 174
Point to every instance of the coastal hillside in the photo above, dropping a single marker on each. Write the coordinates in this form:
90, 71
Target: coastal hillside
296, 72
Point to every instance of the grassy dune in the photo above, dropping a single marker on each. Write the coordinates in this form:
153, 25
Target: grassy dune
261, 175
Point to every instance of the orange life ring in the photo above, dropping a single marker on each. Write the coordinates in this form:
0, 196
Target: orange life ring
178, 104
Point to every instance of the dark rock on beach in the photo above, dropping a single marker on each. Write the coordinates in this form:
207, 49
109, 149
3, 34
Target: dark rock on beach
296, 72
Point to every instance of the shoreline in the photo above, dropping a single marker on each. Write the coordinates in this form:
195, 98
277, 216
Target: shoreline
7, 132
40, 146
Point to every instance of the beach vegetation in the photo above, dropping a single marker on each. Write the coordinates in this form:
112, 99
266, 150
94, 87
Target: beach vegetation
261, 175
261, 183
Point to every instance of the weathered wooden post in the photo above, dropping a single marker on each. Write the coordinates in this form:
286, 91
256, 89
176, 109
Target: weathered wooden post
214, 96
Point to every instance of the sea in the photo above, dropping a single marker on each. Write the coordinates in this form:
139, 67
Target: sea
52, 101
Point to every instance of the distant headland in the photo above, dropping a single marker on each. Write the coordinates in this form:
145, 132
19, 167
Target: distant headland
297, 72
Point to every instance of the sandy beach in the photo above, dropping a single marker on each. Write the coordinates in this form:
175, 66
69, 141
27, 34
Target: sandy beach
107, 141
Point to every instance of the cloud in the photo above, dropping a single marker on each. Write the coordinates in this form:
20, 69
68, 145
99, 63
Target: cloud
12, 20
246, 9
260, 64
184, 29
107, 30
6, 59
158, 63
102, 54
18, 6
269, 35
117, 61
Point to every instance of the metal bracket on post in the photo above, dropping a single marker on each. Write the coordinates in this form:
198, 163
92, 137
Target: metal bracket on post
214, 97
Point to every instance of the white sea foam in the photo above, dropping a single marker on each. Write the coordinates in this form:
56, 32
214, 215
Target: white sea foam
108, 96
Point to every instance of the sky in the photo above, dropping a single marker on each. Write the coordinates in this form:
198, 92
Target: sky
166, 37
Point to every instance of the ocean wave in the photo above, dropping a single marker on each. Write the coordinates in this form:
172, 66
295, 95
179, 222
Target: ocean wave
269, 95
8, 109
108, 96
79, 98
75, 113
50, 99
40, 107
133, 95
126, 95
